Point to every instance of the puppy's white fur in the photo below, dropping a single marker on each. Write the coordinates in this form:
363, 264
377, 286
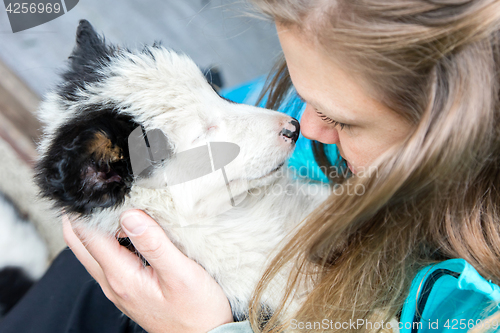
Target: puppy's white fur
20, 243
165, 90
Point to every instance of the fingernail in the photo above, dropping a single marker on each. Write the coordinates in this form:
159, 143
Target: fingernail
134, 224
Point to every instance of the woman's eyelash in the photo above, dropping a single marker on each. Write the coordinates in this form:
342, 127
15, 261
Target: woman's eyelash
331, 121
325, 118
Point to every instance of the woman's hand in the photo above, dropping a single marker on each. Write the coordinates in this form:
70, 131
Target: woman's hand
174, 294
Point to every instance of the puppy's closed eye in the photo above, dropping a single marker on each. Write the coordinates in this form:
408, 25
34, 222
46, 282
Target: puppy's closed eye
87, 164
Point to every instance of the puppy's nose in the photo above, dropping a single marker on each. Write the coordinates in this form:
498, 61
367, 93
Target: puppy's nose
291, 130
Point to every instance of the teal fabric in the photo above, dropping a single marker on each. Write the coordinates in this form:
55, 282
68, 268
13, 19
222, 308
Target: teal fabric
452, 302
302, 159
239, 327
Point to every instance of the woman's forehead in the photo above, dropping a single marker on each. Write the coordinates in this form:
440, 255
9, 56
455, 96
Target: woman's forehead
325, 84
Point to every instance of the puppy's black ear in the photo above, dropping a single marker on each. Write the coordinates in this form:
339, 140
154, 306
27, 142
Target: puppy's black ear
90, 47
89, 55
87, 164
87, 37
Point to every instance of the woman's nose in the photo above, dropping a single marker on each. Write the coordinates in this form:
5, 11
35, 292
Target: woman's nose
314, 128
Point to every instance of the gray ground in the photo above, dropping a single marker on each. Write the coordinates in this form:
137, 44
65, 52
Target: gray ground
212, 32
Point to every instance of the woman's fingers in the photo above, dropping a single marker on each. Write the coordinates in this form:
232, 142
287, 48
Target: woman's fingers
174, 272
104, 248
79, 250
151, 241
161, 297
98, 253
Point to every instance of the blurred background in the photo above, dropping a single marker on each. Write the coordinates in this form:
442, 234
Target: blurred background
220, 34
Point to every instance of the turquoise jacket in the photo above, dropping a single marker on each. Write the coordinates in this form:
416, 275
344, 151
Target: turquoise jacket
449, 296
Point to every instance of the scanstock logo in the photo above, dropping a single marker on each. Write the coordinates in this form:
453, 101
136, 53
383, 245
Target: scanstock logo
29, 14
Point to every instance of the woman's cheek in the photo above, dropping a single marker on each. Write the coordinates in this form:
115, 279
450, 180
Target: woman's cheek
356, 153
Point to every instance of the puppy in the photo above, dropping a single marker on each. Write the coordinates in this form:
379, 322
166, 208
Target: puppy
230, 221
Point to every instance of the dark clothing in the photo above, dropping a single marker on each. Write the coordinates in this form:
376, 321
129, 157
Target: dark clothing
66, 300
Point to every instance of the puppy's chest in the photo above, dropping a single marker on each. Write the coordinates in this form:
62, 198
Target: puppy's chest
224, 244
230, 250
231, 247
226, 234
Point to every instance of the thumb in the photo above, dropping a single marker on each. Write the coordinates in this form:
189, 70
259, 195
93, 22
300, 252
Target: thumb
152, 243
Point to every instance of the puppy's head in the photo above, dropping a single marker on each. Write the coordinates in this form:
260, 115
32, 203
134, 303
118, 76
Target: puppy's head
84, 160
109, 92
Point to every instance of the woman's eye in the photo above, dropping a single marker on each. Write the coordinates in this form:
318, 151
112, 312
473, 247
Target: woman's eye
331, 121
327, 119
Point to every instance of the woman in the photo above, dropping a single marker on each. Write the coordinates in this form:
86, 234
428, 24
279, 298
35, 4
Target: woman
408, 87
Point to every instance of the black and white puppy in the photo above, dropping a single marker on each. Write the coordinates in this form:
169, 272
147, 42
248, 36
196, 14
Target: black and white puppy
85, 166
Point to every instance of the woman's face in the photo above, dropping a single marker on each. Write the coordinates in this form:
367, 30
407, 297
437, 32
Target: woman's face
339, 111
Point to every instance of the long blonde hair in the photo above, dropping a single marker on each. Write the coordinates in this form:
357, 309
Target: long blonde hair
434, 197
